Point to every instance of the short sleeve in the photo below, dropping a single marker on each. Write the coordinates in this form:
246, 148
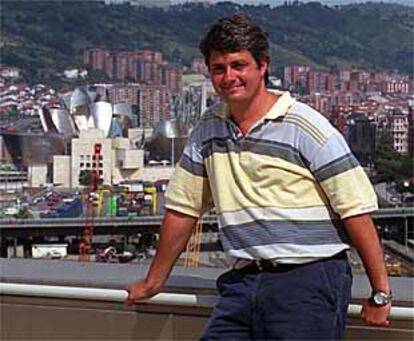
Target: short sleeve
189, 190
342, 178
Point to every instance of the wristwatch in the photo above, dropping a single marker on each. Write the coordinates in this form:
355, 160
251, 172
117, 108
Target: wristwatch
380, 298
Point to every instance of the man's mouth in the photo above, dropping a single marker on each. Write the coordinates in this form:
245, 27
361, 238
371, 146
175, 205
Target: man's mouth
232, 87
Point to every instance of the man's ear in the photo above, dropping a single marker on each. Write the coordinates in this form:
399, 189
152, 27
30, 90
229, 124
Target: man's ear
264, 65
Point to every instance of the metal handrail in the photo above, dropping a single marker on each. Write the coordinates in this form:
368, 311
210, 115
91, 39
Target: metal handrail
208, 218
117, 295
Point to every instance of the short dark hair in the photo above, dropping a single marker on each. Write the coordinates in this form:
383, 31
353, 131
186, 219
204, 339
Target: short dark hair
234, 33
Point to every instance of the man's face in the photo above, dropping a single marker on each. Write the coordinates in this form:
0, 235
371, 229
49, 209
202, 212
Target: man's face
236, 77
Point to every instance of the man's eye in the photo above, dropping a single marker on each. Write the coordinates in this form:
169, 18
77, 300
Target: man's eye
238, 66
217, 70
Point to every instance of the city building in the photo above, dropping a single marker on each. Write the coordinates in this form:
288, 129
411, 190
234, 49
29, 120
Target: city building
149, 102
394, 86
410, 142
10, 72
172, 78
296, 76
320, 81
361, 137
398, 125
198, 65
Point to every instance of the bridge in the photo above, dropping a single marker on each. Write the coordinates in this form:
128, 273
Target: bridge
124, 225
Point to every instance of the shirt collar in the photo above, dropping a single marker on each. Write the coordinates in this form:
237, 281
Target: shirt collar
281, 106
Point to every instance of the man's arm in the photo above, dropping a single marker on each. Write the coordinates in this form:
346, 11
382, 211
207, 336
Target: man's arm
175, 232
364, 238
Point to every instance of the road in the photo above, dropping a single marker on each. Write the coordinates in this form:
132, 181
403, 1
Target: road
388, 193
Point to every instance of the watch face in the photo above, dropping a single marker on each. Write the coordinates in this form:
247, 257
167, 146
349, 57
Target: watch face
379, 299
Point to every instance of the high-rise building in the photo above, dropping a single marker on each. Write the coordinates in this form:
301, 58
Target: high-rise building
295, 76
361, 137
318, 81
172, 78
96, 58
410, 142
395, 86
121, 65
152, 105
338, 117
398, 123
142, 66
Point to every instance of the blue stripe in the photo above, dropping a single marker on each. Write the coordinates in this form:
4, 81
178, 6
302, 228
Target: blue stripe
218, 145
257, 146
335, 167
280, 150
263, 232
192, 167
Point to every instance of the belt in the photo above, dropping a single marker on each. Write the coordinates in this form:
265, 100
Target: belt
271, 265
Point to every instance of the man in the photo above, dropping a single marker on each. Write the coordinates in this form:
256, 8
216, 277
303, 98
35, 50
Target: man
289, 195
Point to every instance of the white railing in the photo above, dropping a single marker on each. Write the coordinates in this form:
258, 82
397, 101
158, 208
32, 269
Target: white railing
116, 295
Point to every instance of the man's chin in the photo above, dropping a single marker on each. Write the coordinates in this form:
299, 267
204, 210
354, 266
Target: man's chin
234, 95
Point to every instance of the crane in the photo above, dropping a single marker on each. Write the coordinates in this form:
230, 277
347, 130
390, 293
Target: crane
86, 240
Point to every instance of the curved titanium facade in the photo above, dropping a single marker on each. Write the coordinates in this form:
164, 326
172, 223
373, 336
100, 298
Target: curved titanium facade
102, 115
30, 148
79, 102
62, 121
171, 129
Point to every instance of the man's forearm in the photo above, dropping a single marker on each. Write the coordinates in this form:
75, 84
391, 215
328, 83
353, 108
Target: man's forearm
364, 238
175, 233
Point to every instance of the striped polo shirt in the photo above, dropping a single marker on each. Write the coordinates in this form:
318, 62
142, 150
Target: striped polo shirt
280, 191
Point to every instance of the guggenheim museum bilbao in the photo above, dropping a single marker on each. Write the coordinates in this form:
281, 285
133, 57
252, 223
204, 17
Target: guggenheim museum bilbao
84, 119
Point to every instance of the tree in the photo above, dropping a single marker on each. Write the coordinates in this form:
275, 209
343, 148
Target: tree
24, 213
389, 164
85, 177
387, 159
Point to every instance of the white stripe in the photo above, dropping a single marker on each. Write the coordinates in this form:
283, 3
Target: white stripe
249, 214
288, 253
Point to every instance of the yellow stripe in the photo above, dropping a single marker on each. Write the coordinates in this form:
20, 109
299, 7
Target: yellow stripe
252, 180
188, 193
356, 195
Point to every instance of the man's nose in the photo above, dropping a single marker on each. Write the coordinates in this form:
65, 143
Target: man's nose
229, 74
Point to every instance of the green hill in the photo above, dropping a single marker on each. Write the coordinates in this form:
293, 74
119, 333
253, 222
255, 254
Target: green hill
53, 34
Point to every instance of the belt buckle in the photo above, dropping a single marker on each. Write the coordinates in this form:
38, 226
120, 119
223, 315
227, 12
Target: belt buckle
241, 263
258, 263
262, 264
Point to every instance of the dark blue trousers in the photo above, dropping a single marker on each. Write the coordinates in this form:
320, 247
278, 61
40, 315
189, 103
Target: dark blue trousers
301, 302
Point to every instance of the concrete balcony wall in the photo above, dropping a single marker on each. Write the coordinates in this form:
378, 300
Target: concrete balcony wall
37, 316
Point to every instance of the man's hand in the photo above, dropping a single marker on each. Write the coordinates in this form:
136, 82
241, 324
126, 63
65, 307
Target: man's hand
376, 316
175, 233
139, 291
363, 234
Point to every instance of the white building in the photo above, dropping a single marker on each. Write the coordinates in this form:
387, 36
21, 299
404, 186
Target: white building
399, 130
120, 161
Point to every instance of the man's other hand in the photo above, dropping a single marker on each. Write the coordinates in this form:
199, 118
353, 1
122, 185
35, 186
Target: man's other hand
139, 291
376, 316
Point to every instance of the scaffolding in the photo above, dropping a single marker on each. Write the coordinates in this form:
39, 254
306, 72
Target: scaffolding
192, 256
